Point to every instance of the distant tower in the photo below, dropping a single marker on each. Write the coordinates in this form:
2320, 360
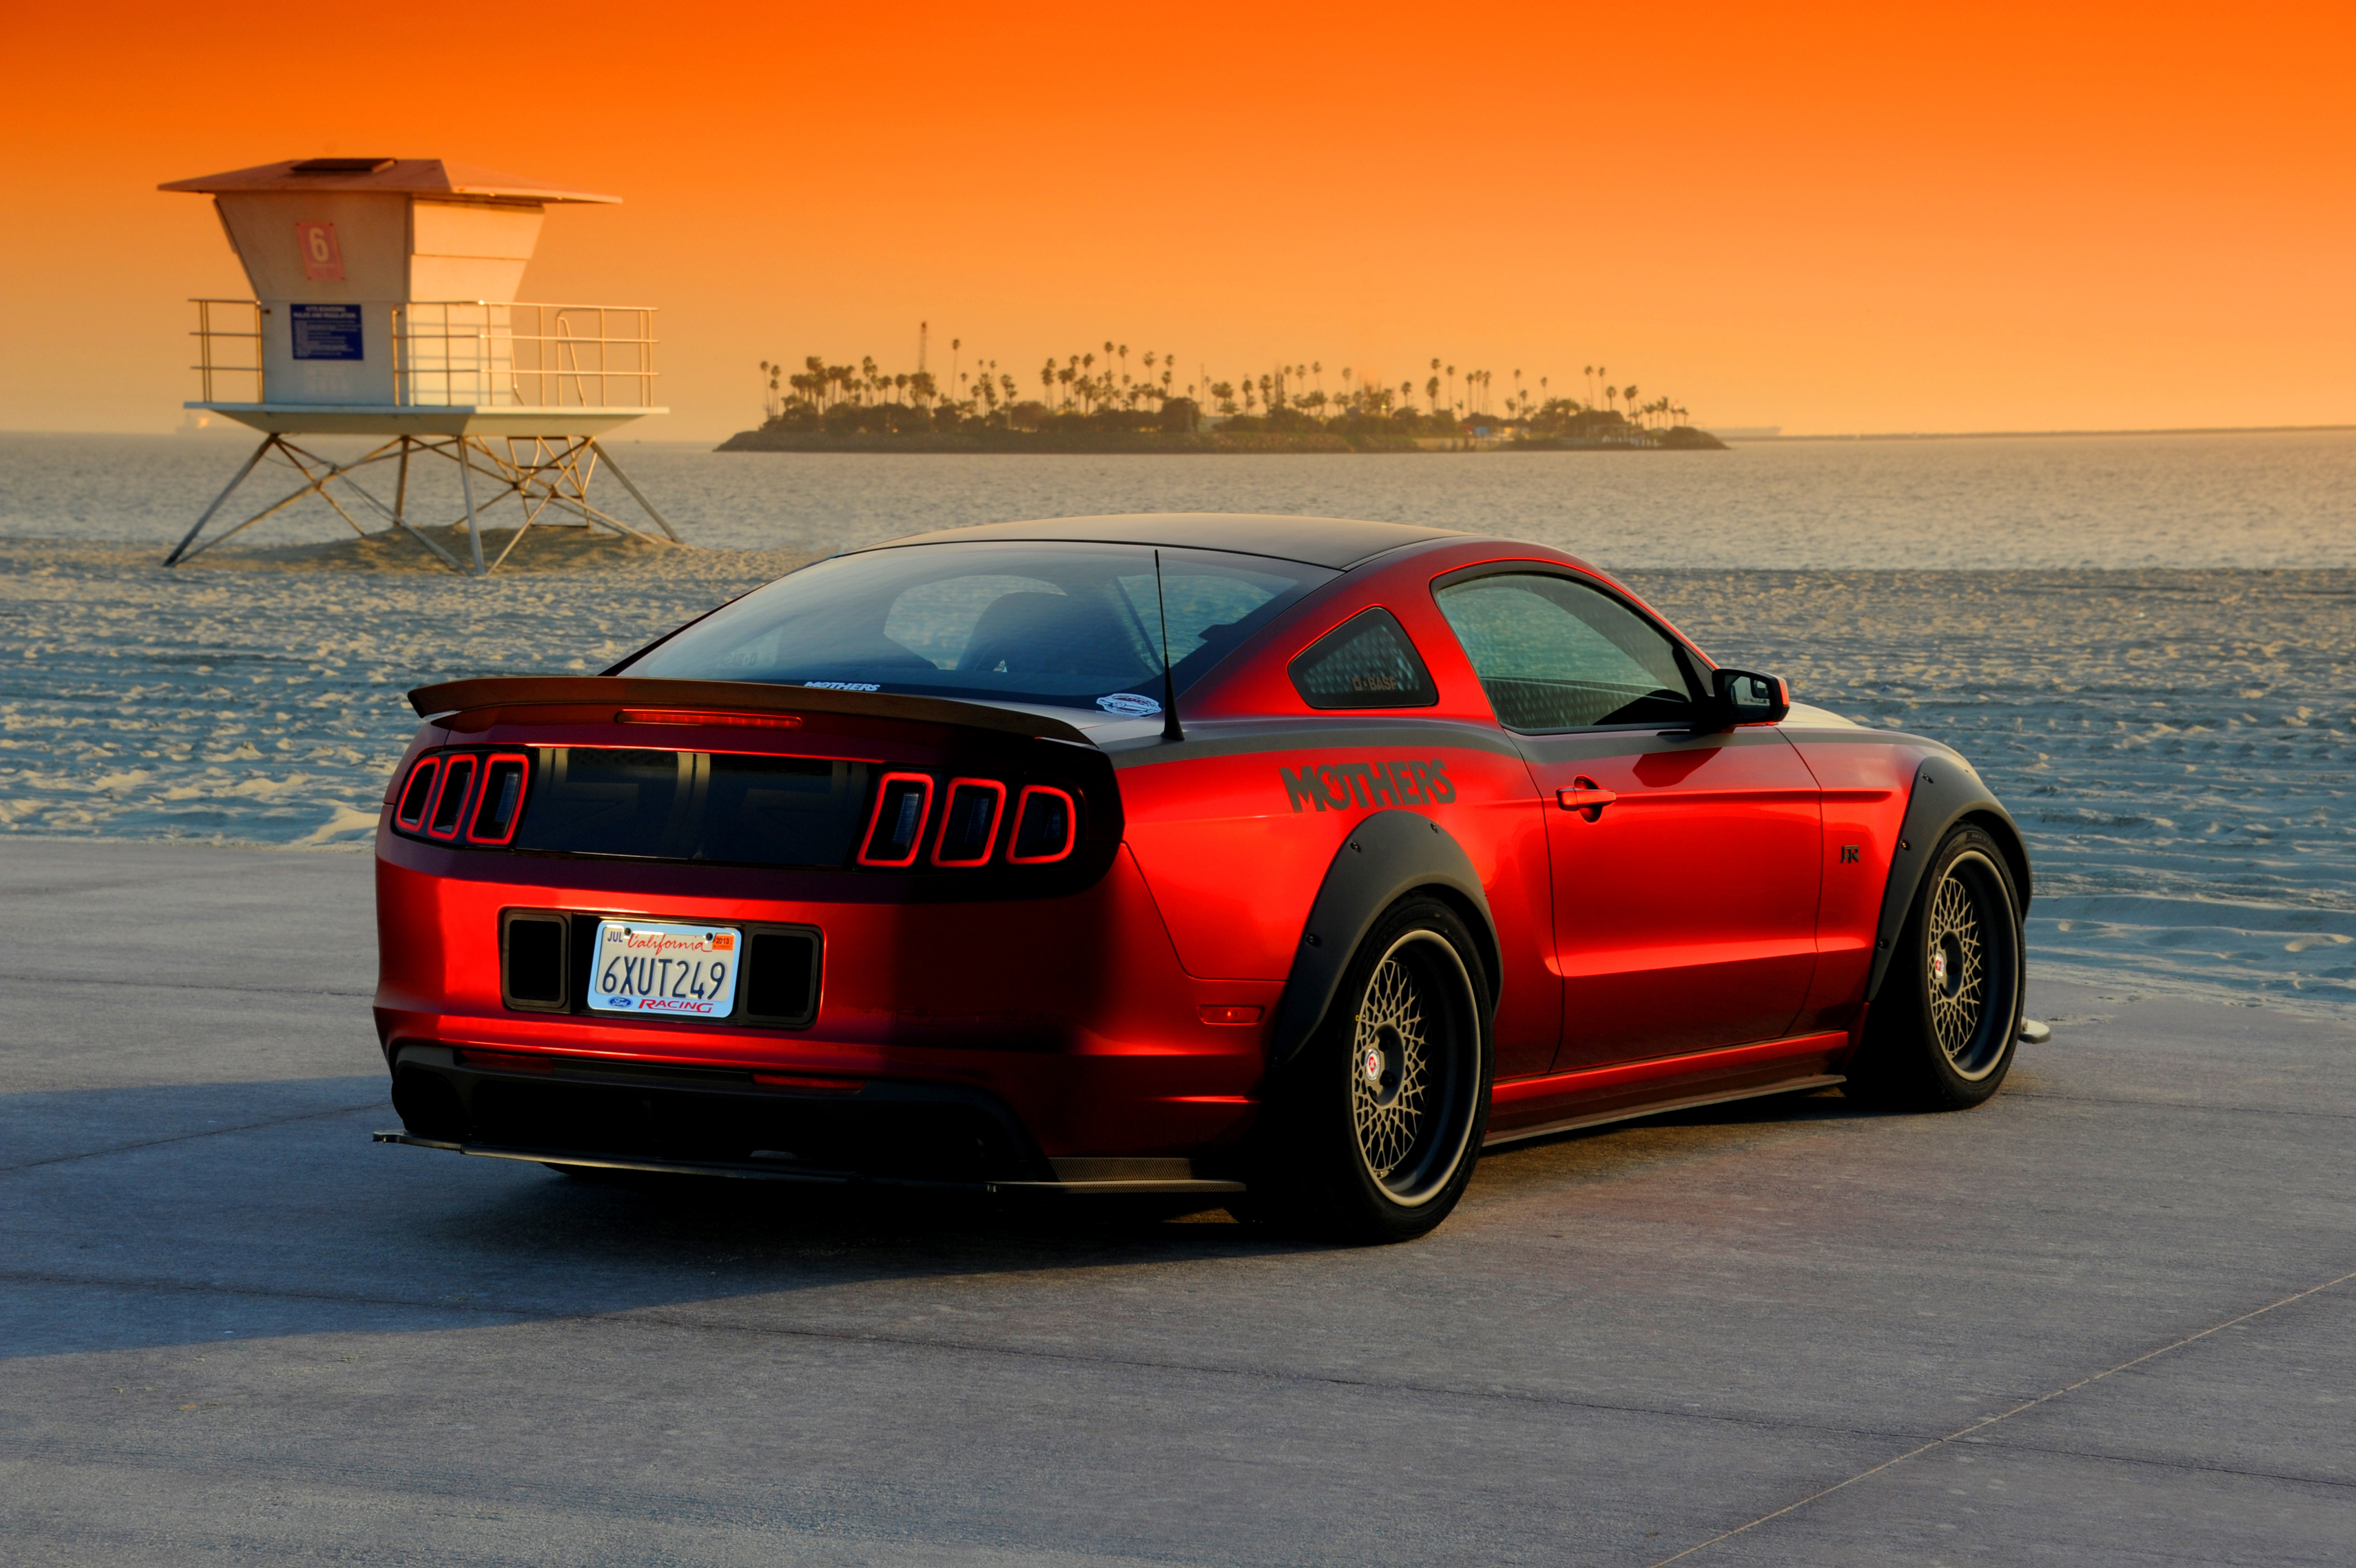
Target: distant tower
384, 305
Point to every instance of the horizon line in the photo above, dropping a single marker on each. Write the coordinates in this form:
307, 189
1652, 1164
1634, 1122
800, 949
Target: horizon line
1998, 435
1739, 440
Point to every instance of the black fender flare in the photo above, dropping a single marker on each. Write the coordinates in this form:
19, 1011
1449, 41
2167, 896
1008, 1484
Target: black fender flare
1946, 791
1385, 857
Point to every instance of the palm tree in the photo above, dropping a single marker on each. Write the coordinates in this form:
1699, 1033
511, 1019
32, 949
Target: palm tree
1431, 394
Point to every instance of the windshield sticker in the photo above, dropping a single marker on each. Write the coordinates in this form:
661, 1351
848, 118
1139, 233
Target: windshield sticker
844, 685
1338, 786
1129, 706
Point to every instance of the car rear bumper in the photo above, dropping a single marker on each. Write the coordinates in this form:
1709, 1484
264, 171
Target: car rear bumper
1053, 1030
622, 1116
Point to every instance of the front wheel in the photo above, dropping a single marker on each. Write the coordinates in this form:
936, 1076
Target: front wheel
1372, 1130
1940, 1036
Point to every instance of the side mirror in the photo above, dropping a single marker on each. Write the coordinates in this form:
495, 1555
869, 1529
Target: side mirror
1744, 698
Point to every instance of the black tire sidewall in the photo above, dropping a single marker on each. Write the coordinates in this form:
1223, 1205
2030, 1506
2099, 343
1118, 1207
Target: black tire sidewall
1904, 1064
1317, 1177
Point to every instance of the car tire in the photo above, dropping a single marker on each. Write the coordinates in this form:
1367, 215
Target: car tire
1370, 1134
1940, 1036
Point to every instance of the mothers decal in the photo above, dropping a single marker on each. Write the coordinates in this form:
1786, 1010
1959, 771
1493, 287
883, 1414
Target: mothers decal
1338, 786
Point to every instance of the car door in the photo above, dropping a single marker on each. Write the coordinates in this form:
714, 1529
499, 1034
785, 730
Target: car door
1686, 862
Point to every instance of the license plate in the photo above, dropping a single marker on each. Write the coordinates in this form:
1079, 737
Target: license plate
655, 969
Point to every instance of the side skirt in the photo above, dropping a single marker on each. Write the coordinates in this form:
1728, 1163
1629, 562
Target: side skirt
1631, 1113
1622, 1090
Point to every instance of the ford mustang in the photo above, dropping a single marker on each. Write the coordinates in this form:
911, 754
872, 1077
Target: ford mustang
1277, 863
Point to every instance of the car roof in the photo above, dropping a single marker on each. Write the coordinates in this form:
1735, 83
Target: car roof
1339, 542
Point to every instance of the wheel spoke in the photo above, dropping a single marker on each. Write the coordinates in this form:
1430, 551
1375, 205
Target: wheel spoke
1388, 1117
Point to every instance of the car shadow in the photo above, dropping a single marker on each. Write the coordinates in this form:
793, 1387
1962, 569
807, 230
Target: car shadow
145, 1217
154, 1216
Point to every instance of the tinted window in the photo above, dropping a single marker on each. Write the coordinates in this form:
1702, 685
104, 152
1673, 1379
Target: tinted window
1365, 662
1553, 654
1064, 624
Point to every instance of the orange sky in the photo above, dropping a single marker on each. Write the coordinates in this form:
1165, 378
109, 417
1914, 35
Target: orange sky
1830, 220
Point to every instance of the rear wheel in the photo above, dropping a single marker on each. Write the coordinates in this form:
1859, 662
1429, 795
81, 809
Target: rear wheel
1940, 1036
1372, 1130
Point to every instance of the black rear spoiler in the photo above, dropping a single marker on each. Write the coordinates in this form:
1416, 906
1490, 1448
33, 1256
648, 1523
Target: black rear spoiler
737, 696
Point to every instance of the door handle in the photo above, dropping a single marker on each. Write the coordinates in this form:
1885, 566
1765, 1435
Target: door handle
1584, 796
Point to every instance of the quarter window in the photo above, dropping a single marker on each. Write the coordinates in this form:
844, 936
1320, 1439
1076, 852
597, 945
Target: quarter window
1365, 662
1553, 654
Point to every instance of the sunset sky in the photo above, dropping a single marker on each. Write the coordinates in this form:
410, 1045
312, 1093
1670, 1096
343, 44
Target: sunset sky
1830, 220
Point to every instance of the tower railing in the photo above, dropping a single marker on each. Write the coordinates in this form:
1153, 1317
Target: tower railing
464, 354
221, 348
474, 353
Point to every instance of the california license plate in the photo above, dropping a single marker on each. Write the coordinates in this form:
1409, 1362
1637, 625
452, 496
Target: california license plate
655, 969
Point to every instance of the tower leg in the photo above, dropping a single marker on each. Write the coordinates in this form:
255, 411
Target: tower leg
182, 548
635, 494
474, 523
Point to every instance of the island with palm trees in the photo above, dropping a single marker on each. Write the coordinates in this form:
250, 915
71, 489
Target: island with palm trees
1116, 402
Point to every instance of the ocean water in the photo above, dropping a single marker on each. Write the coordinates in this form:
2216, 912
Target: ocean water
2145, 643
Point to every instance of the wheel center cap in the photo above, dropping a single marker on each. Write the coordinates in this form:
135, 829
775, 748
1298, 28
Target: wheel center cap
1371, 1067
1939, 969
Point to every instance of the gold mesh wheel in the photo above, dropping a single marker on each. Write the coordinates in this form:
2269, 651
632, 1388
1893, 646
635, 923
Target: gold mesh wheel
1387, 1077
1960, 919
1414, 1068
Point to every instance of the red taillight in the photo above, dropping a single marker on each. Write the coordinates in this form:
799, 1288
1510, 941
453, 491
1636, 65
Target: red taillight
970, 824
417, 794
1047, 825
499, 805
450, 800
896, 829
718, 719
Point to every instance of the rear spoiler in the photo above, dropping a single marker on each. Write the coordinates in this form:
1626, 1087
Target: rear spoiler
738, 696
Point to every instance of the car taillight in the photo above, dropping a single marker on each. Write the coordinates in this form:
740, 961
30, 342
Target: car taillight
450, 801
417, 794
499, 803
1047, 825
970, 824
898, 829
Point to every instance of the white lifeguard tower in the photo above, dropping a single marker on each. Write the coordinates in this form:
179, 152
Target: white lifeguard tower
384, 305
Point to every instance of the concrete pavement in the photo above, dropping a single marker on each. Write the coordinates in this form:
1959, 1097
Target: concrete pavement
234, 1327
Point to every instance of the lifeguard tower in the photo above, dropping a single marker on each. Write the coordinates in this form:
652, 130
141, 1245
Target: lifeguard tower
384, 306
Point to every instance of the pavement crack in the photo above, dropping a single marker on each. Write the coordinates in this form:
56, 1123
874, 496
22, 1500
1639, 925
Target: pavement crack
2177, 1105
51, 983
2007, 1447
185, 1137
1984, 1423
542, 1318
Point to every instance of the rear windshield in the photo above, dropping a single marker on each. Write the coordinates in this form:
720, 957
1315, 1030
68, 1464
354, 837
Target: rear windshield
1068, 624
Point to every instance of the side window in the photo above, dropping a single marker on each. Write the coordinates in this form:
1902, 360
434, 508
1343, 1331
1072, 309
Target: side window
1365, 662
1553, 654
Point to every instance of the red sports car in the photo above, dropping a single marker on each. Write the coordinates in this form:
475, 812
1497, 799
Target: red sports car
1285, 863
